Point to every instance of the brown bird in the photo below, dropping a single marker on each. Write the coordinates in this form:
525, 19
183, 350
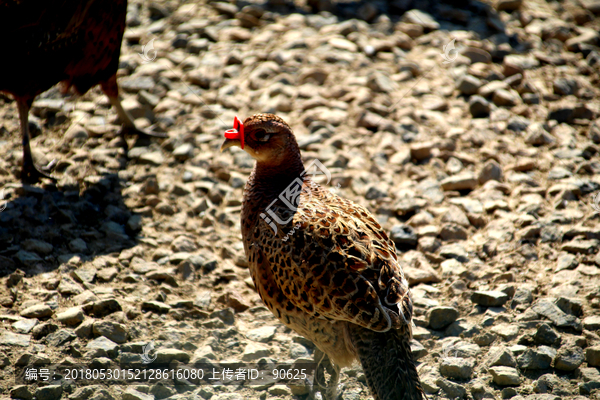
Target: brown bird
44, 42
322, 264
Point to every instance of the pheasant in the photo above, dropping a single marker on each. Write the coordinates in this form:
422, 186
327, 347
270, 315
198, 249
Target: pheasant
322, 264
44, 42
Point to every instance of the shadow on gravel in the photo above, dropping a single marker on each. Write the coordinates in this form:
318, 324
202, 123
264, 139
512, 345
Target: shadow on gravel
44, 228
471, 15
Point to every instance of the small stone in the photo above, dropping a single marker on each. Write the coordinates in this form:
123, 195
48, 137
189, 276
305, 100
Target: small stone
464, 181
254, 351
37, 311
491, 171
592, 356
566, 261
592, 323
441, 317
51, 392
452, 390
489, 298
112, 330
547, 335
21, 392
102, 308
403, 235
60, 338
501, 356
14, 339
507, 98
421, 151
508, 5
132, 394
165, 356
37, 246
479, 107
505, 376
421, 18
279, 390
24, 325
457, 368
184, 152
78, 246
263, 334
468, 84
155, 306
536, 359
568, 358
104, 344
41, 330
71, 317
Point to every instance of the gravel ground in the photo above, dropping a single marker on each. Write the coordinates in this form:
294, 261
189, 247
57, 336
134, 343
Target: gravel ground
472, 134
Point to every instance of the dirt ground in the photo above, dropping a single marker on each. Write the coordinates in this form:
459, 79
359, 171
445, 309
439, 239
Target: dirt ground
471, 133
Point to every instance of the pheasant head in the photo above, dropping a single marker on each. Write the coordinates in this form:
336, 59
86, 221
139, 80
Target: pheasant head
266, 137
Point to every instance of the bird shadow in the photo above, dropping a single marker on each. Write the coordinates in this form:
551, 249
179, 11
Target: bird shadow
44, 229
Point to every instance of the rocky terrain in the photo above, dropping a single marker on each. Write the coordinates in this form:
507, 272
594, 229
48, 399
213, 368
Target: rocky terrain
471, 133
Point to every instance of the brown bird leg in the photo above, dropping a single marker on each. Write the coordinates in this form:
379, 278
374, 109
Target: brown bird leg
111, 89
30, 173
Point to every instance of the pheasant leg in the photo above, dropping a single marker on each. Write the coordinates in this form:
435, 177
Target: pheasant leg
326, 388
111, 89
30, 173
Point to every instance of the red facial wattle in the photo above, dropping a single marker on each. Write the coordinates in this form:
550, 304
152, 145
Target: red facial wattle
237, 132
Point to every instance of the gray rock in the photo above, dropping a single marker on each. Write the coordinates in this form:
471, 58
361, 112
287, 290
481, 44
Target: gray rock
505, 376
132, 394
51, 392
421, 18
457, 368
24, 325
551, 311
78, 246
156, 306
37, 246
103, 344
491, 171
468, 84
72, 316
263, 334
102, 308
547, 335
60, 338
479, 107
165, 356
464, 181
592, 323
500, 356
21, 392
255, 351
452, 390
441, 317
489, 298
564, 86
566, 261
403, 235
14, 339
111, 330
568, 358
592, 356
534, 359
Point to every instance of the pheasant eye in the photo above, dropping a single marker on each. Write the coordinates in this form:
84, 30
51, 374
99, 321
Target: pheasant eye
261, 135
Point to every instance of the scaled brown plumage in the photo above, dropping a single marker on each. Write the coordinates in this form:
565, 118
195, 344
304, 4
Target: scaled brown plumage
44, 42
323, 265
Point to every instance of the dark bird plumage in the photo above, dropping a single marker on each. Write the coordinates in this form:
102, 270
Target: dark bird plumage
43, 42
324, 266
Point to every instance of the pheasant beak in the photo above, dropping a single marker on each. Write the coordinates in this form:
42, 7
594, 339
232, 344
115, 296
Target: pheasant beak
235, 136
